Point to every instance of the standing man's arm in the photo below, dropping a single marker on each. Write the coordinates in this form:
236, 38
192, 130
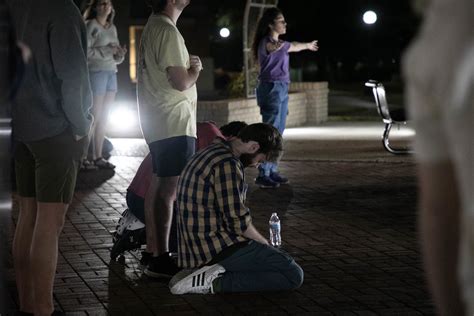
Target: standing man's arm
68, 44
172, 56
181, 78
230, 197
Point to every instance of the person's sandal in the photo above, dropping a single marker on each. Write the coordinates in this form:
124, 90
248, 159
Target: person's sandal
101, 163
86, 165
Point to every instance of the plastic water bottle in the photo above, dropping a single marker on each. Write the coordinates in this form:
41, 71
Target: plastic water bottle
275, 230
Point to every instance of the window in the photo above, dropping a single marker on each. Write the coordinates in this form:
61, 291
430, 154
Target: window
135, 32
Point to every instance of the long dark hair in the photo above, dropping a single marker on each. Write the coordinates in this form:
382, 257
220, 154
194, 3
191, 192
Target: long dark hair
268, 17
91, 12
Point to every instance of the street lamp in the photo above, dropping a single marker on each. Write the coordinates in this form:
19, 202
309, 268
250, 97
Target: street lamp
369, 17
224, 32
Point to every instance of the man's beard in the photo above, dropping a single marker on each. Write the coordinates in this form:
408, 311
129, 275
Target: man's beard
247, 159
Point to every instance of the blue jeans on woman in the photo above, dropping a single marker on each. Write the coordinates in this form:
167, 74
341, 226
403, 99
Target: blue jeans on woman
272, 98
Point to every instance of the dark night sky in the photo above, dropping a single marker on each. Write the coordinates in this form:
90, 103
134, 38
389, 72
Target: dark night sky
337, 25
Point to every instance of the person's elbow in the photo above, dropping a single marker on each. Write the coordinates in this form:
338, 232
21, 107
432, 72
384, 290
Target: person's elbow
179, 85
179, 79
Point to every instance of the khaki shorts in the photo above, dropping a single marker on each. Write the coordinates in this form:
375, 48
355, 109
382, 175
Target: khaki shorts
47, 169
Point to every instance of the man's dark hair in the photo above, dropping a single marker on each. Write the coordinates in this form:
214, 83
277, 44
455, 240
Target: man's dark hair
157, 5
233, 128
267, 136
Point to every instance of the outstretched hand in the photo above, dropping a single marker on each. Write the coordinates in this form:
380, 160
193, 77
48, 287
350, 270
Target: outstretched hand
312, 46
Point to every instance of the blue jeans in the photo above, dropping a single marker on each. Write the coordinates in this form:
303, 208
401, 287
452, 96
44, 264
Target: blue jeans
103, 82
272, 98
258, 267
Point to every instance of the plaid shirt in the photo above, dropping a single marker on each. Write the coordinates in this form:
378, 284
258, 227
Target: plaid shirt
211, 211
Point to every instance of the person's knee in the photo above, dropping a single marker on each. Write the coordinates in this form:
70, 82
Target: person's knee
295, 276
167, 196
51, 217
166, 189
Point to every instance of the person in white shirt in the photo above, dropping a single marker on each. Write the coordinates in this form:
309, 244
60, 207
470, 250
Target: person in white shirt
104, 53
439, 70
167, 98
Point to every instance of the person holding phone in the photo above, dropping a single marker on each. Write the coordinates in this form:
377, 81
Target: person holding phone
104, 54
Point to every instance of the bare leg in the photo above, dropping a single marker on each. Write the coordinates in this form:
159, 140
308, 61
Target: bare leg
101, 123
97, 105
159, 213
166, 194
150, 202
44, 251
21, 253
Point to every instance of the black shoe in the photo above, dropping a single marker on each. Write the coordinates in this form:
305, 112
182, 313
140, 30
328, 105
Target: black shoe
265, 182
145, 259
129, 240
162, 266
278, 178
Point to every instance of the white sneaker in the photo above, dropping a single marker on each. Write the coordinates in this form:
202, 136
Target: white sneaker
128, 221
198, 282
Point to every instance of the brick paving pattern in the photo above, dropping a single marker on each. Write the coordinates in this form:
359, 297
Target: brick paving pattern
350, 225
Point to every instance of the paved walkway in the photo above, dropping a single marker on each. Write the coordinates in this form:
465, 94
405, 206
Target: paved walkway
348, 217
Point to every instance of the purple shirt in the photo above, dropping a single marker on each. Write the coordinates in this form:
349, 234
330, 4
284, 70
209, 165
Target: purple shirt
273, 66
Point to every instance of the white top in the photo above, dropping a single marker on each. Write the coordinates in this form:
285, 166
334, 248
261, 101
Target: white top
99, 55
164, 111
439, 68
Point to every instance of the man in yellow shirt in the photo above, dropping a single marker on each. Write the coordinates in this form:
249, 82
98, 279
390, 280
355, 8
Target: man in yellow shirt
167, 98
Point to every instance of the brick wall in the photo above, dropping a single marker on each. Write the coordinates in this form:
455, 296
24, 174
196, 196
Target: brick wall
308, 103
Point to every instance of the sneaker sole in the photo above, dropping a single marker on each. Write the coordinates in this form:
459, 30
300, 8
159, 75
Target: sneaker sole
179, 276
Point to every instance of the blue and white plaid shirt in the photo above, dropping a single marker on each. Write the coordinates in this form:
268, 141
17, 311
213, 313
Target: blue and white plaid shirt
211, 205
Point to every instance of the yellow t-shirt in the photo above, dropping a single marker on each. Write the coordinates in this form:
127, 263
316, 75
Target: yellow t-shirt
164, 111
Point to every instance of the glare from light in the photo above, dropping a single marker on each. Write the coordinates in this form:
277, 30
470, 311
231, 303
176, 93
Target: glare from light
224, 32
350, 131
369, 17
122, 117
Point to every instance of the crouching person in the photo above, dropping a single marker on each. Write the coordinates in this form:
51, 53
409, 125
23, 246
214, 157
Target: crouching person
219, 249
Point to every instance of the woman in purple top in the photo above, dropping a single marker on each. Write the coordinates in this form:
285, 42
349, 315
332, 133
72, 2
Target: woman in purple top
272, 90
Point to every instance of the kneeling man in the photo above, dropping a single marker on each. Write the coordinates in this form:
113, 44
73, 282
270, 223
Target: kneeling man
218, 247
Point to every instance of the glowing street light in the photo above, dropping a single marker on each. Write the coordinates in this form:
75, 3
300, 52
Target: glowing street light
122, 118
224, 32
369, 17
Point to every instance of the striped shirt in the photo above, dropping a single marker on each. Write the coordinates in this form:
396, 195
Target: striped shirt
211, 205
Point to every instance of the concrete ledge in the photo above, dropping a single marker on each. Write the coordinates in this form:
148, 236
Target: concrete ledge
308, 103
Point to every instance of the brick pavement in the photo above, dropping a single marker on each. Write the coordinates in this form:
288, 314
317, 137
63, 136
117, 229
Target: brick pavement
350, 224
